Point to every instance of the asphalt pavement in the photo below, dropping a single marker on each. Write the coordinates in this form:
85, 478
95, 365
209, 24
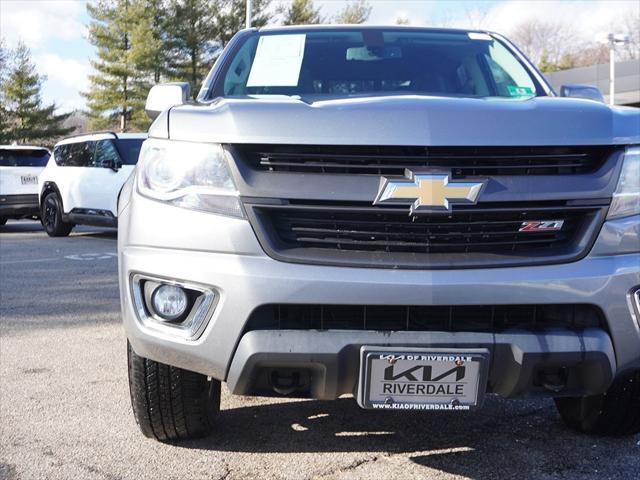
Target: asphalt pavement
65, 411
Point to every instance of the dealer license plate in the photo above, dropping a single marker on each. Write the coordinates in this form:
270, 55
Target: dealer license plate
29, 179
422, 379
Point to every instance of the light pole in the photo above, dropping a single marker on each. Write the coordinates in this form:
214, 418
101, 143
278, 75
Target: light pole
613, 40
248, 18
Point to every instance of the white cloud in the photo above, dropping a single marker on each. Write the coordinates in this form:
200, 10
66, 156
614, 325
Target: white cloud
54, 30
68, 72
35, 22
66, 78
587, 18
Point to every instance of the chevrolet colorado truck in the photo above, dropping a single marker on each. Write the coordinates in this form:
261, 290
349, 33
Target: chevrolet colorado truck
408, 215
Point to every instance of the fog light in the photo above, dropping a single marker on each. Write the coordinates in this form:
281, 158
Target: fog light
169, 302
171, 307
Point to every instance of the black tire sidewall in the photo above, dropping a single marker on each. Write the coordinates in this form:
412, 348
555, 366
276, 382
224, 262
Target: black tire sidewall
169, 403
57, 227
615, 413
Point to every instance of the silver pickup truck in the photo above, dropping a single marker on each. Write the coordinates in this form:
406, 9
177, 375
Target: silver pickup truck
411, 216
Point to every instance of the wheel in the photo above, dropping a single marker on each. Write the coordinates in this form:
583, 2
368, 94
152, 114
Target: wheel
170, 403
615, 413
52, 217
3, 220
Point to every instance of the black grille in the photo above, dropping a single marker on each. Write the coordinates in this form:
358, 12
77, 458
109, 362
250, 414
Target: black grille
468, 318
393, 160
378, 236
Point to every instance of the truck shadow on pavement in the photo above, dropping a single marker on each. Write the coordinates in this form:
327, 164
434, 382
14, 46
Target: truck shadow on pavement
512, 438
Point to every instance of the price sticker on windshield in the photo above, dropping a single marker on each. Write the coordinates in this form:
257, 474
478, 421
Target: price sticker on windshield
278, 61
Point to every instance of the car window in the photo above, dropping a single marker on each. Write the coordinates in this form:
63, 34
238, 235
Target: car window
129, 149
80, 155
105, 150
510, 78
371, 60
23, 158
60, 154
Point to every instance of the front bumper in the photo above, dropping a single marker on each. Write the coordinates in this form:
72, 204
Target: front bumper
19, 206
223, 253
326, 364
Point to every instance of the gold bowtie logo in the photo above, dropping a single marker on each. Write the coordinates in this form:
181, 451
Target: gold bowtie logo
427, 193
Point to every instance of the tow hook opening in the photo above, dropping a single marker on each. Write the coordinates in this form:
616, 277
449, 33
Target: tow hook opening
287, 381
553, 379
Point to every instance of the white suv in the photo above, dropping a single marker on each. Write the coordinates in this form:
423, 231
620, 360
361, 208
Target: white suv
20, 166
83, 179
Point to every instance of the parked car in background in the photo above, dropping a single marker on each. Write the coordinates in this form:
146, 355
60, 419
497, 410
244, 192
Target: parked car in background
82, 181
409, 215
20, 166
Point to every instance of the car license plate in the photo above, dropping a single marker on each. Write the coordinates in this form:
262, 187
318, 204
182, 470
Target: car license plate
422, 379
29, 179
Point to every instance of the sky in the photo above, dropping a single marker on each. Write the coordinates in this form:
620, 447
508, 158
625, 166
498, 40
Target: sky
55, 30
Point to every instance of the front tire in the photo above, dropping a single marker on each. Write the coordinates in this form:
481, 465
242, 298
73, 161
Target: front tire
51, 217
614, 413
170, 403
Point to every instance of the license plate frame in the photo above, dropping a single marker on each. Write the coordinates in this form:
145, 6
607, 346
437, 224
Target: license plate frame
443, 358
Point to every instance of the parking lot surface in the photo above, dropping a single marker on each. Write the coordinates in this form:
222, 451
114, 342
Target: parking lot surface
65, 411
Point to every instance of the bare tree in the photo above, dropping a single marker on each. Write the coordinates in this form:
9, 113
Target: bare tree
630, 26
354, 12
476, 17
538, 39
591, 55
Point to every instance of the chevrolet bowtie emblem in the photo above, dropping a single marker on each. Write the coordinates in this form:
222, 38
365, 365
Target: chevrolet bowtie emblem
427, 193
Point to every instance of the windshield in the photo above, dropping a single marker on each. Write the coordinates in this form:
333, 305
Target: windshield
370, 61
23, 158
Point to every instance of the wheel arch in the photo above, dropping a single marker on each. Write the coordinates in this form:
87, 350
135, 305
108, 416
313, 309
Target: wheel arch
47, 188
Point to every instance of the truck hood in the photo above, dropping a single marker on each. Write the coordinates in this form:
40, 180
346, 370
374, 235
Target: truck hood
402, 120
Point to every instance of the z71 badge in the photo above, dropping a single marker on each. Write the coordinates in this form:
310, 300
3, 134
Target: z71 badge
541, 226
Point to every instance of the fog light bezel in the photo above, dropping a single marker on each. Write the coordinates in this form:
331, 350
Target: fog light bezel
186, 327
633, 299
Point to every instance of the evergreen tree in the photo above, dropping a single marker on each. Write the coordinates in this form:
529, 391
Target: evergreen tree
193, 40
232, 14
118, 89
546, 66
301, 12
28, 120
354, 12
149, 39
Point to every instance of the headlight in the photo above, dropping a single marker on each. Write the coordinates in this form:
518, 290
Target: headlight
626, 199
188, 175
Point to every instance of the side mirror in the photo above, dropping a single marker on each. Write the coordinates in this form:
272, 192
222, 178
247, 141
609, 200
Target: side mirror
110, 163
588, 92
165, 96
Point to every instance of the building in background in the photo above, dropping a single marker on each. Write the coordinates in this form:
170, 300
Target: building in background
627, 80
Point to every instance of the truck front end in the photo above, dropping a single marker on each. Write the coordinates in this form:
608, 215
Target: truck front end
405, 215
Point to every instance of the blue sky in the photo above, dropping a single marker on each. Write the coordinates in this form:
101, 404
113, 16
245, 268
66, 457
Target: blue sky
55, 30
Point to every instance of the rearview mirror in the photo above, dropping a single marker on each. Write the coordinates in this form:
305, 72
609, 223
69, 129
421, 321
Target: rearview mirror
165, 96
588, 92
